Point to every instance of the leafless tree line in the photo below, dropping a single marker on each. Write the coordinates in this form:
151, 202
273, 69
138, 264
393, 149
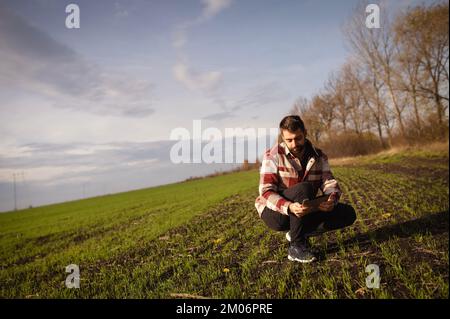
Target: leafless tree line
393, 85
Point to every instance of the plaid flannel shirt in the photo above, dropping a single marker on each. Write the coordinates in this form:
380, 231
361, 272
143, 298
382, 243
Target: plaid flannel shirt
280, 169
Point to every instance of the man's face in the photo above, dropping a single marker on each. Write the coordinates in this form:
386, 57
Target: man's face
295, 141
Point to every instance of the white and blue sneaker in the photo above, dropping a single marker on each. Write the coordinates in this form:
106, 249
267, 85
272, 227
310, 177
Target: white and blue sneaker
288, 236
300, 253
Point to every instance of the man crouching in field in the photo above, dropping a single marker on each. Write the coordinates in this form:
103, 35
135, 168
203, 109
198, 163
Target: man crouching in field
292, 171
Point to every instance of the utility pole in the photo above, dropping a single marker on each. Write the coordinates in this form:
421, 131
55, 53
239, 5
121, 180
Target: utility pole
26, 193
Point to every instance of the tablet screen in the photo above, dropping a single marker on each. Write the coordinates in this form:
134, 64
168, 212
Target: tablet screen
316, 201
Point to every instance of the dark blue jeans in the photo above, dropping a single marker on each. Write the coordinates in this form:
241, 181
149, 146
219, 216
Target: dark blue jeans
311, 224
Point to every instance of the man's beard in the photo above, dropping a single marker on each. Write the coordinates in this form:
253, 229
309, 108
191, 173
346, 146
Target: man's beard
299, 149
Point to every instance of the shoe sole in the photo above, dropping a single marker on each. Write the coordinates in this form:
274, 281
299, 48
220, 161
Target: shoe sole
302, 261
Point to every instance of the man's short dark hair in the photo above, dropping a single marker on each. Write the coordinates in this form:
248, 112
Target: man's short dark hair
292, 123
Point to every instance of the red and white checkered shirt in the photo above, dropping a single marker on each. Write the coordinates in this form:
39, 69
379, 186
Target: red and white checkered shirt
280, 169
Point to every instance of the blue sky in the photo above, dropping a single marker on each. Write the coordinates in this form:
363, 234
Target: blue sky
89, 111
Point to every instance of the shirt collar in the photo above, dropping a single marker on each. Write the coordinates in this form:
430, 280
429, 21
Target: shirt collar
286, 149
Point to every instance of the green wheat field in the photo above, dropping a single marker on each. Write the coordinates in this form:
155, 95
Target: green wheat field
203, 239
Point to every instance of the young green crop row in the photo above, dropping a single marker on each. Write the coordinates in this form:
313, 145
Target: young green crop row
219, 248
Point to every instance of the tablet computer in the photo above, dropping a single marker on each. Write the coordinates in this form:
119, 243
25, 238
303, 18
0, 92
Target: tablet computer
314, 203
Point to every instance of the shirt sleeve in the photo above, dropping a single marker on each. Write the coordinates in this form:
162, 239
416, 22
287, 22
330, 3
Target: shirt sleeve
268, 185
329, 183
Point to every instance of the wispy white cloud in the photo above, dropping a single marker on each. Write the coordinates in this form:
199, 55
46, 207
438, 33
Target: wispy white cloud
183, 72
32, 61
47, 161
120, 11
220, 116
213, 7
206, 81
256, 97
180, 35
261, 95
210, 9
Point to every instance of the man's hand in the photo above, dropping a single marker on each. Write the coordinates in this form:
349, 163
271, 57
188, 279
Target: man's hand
328, 206
299, 210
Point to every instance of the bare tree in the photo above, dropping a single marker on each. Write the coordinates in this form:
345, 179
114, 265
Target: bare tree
386, 58
322, 106
354, 99
369, 88
408, 80
395, 82
373, 50
422, 33
315, 127
337, 98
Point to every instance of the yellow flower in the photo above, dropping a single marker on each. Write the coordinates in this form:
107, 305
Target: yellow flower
225, 270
